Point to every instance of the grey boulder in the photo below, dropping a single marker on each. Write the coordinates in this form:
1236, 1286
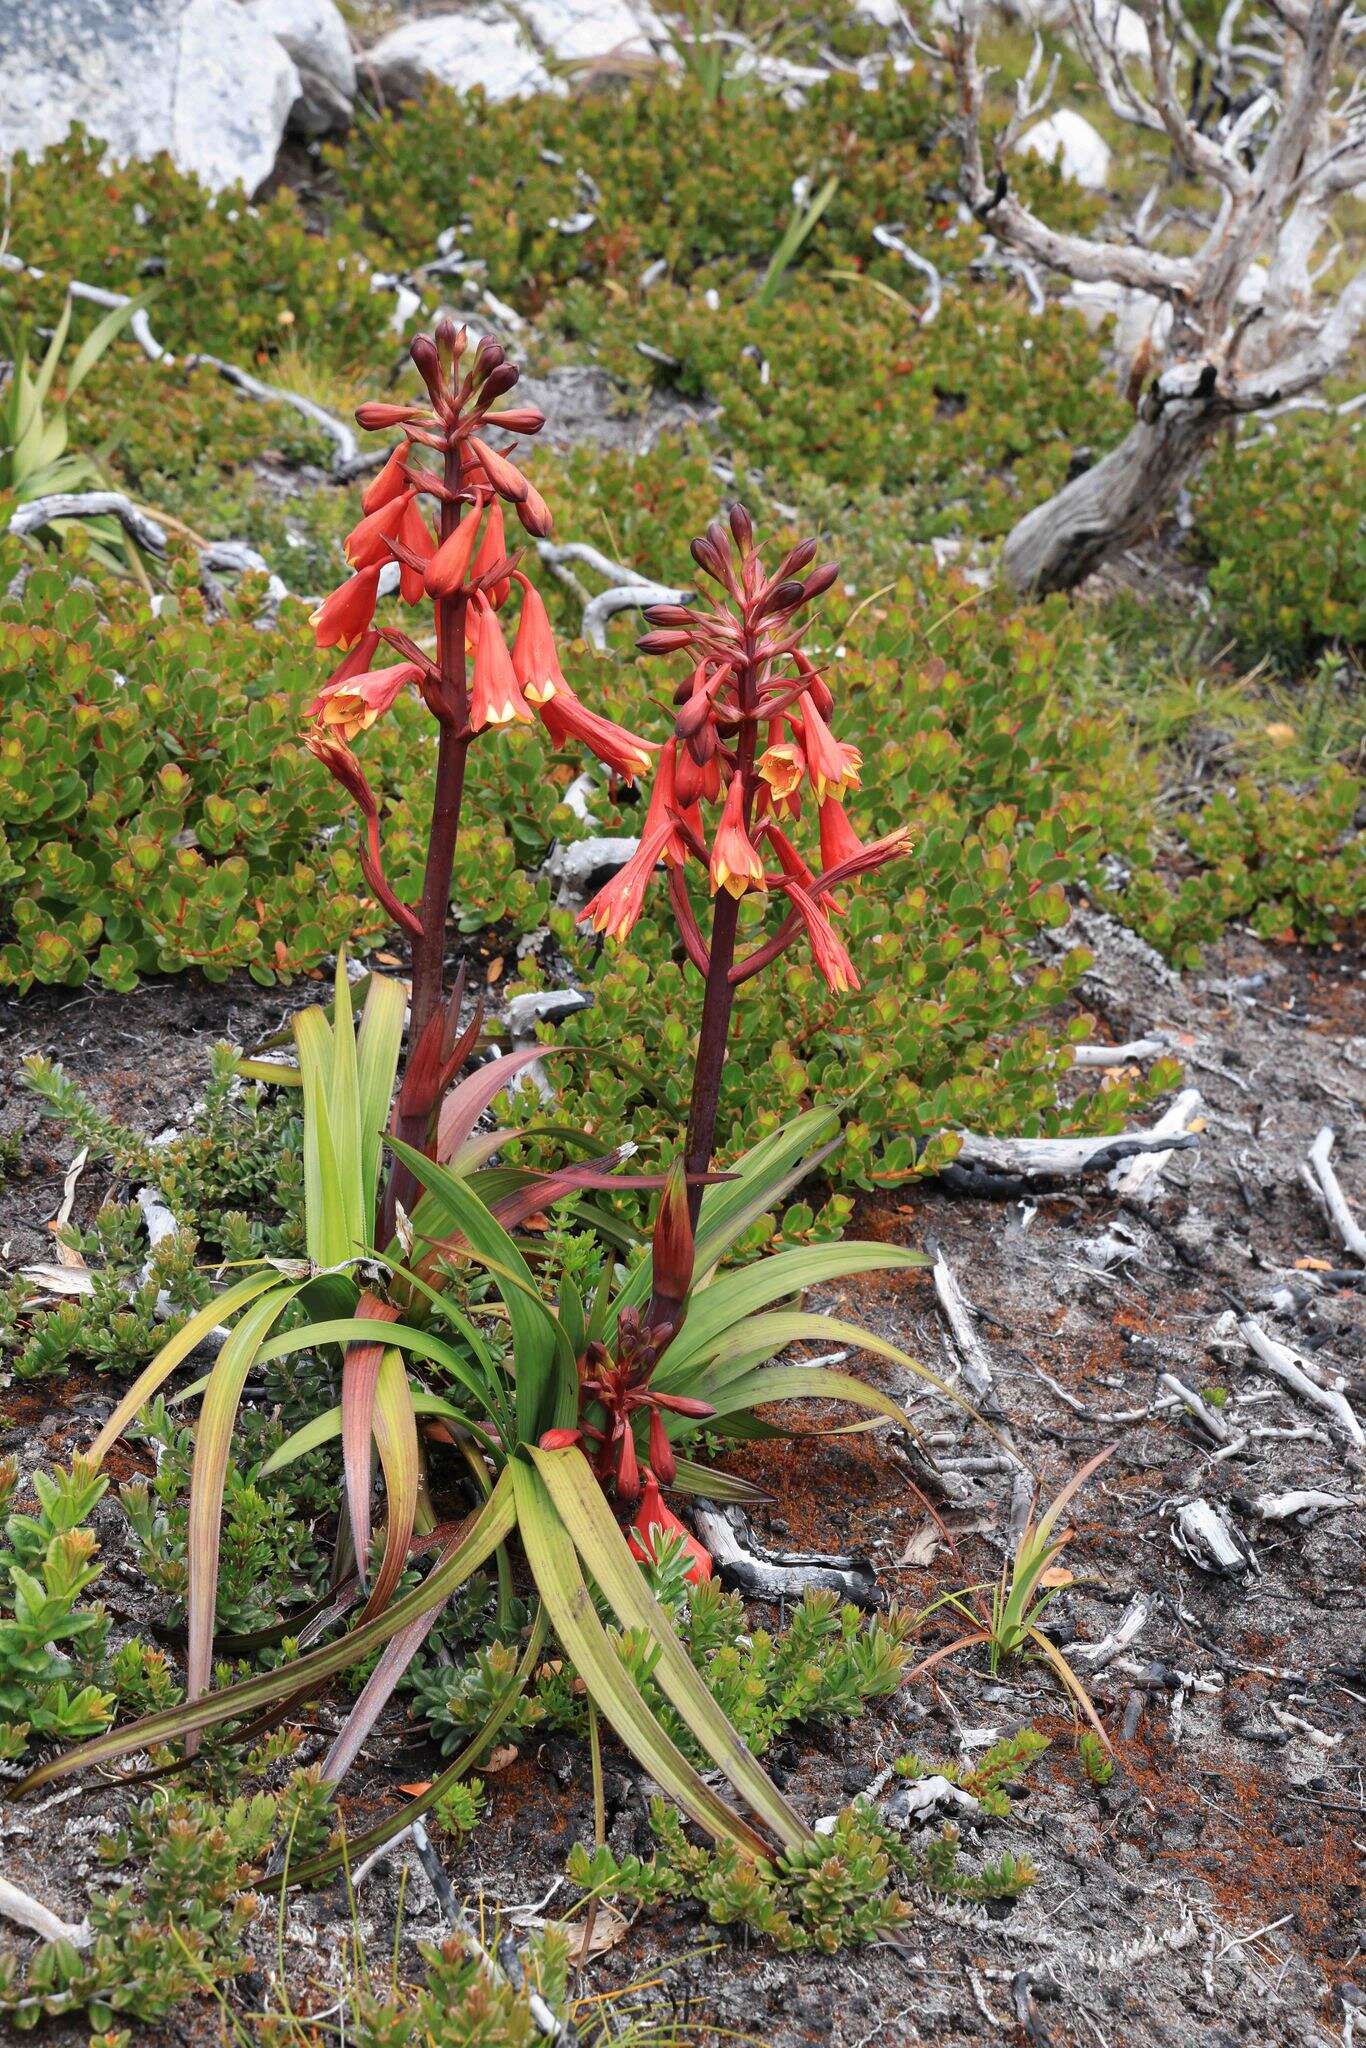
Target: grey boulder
313, 33
199, 79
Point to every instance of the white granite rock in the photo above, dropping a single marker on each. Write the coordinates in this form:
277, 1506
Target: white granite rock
1072, 143
197, 78
484, 47
315, 36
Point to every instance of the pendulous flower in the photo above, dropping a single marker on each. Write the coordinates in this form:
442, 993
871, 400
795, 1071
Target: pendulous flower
345, 615
734, 863
351, 704
495, 698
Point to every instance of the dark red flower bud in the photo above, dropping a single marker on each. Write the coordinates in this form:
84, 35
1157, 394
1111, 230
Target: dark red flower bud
668, 615
377, 417
820, 580
667, 642
818, 690
500, 378
742, 526
450, 342
534, 514
796, 559
487, 356
695, 714
706, 557
784, 597
427, 361
521, 419
672, 1253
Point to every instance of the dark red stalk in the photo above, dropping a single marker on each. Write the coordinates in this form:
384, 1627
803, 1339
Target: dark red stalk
453, 745
719, 999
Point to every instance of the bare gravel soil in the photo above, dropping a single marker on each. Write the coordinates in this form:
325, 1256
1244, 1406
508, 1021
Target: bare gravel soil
1211, 1892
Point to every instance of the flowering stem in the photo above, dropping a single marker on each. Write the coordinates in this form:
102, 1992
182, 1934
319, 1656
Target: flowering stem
429, 953
719, 999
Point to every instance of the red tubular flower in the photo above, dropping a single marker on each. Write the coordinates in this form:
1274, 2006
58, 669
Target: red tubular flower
351, 704
783, 768
826, 949
391, 481
534, 654
492, 550
565, 717
654, 1519
345, 615
839, 841
617, 905
507, 481
495, 698
414, 537
831, 766
366, 543
734, 863
447, 568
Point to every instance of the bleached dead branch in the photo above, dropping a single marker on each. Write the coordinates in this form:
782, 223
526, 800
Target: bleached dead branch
1323, 1184
1291, 143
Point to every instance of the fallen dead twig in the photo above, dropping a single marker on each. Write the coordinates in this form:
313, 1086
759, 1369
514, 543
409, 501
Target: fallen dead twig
629, 590
1066, 1158
39, 1919
981, 1381
1297, 1373
1120, 1055
1137, 1180
1323, 1185
1135, 1618
748, 1566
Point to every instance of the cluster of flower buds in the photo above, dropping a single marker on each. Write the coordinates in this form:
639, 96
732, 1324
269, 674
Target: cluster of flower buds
615, 1384
752, 735
464, 569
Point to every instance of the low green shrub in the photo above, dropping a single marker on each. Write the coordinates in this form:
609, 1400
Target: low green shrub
969, 421
838, 1891
1282, 520
157, 811
46, 1565
1291, 862
243, 279
180, 1921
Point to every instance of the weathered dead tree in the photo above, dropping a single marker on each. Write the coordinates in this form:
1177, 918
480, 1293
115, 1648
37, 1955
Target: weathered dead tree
1272, 122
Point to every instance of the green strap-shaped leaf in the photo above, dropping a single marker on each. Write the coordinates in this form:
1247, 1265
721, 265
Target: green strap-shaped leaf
352, 1330
304, 1675
173, 1353
805, 1383
583, 1509
546, 1398
343, 1104
212, 1442
713, 1484
555, 1567
763, 1337
378, 1049
741, 1294
326, 1428
395, 1427
325, 1224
